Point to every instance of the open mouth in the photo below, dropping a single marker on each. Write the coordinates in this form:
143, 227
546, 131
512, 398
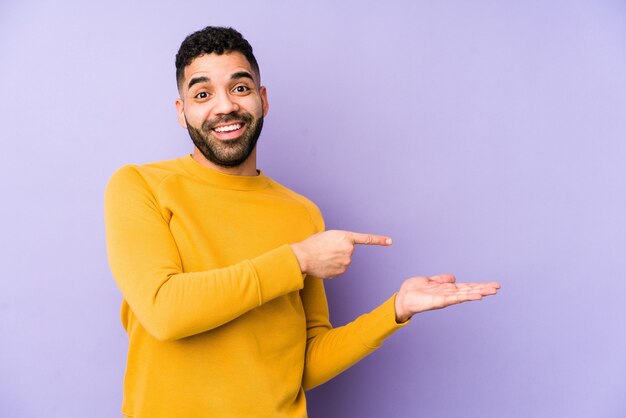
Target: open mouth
228, 128
229, 131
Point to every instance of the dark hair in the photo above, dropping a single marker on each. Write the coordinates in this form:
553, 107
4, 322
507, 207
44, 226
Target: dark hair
212, 40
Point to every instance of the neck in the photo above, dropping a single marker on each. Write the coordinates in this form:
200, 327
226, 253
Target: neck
247, 168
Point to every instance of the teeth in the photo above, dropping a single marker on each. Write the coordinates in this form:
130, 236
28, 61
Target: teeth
228, 128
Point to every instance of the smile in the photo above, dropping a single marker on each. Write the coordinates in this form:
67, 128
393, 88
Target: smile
228, 128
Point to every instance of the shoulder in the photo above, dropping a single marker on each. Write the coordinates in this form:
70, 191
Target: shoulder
312, 208
144, 175
133, 189
139, 184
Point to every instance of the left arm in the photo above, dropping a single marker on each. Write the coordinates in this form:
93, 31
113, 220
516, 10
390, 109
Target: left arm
330, 351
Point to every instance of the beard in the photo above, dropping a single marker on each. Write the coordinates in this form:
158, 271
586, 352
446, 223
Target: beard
233, 152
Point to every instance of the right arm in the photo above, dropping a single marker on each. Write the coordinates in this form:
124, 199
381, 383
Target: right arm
145, 262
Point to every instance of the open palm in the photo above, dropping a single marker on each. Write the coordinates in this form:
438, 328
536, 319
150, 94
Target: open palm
419, 294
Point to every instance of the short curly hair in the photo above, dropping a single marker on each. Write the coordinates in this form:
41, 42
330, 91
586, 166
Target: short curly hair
212, 40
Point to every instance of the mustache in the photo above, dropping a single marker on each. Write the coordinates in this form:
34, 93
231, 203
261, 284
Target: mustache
208, 125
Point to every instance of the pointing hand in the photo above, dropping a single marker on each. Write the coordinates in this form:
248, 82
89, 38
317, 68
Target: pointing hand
328, 254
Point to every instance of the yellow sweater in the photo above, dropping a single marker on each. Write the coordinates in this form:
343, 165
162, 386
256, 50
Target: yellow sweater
221, 322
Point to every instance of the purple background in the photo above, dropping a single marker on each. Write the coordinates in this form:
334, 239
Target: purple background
487, 138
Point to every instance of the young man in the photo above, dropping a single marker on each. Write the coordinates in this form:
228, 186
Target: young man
221, 267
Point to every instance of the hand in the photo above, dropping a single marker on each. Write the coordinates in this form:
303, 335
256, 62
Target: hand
328, 254
419, 294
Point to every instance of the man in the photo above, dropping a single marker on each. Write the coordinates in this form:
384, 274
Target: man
221, 267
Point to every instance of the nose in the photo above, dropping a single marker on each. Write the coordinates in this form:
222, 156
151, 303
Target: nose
224, 104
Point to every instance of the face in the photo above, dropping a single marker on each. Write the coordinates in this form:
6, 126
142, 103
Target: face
222, 106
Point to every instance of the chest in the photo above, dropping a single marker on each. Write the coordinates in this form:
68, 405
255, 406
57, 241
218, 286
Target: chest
215, 228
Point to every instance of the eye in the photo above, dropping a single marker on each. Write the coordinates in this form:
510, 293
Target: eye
241, 88
201, 95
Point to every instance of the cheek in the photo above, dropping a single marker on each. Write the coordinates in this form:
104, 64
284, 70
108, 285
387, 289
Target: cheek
256, 107
196, 115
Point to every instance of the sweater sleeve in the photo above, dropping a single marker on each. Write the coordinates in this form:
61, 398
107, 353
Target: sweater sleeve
330, 351
169, 303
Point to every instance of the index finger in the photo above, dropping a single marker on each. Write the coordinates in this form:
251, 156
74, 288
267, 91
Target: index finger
369, 239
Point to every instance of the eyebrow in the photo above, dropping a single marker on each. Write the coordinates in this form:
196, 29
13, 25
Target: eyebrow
241, 74
197, 80
204, 79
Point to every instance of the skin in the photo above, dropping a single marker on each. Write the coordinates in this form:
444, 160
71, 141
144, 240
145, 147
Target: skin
218, 90
328, 254
220, 93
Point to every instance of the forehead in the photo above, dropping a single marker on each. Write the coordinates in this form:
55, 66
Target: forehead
218, 67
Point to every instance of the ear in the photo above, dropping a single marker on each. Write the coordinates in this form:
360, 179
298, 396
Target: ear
266, 105
180, 111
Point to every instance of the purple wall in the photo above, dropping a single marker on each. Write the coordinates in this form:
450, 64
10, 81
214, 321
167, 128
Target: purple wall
488, 139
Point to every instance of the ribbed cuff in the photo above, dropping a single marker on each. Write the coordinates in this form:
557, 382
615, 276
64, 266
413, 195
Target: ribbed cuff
378, 325
278, 273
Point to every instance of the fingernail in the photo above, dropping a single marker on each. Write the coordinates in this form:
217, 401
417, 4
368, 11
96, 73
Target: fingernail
389, 241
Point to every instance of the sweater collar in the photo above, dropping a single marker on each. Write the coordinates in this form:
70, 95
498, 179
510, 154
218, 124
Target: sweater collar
226, 181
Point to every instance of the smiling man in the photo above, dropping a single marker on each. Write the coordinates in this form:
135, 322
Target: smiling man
228, 127
221, 268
